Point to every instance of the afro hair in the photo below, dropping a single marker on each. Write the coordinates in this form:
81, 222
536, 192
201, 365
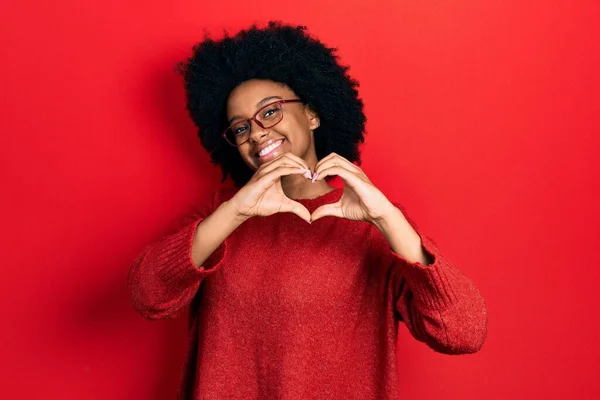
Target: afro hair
302, 63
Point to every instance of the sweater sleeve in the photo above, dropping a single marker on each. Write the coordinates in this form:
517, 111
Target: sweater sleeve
163, 279
439, 305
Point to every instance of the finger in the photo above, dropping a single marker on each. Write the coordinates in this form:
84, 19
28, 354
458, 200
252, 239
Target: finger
300, 160
287, 159
332, 162
348, 177
267, 180
280, 161
324, 160
296, 208
333, 210
334, 159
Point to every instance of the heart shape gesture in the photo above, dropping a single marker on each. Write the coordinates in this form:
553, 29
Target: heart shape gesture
263, 195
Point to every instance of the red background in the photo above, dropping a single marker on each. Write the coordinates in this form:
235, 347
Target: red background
483, 122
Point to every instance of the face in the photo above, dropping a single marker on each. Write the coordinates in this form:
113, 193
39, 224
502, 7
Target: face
293, 134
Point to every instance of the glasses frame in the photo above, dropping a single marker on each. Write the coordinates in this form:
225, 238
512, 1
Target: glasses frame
253, 118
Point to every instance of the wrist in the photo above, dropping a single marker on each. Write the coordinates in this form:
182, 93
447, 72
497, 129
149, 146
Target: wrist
390, 218
229, 208
402, 237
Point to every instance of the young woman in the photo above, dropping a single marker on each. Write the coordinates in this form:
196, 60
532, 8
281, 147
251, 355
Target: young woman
295, 288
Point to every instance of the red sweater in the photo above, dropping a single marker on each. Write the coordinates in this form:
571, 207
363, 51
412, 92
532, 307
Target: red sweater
289, 310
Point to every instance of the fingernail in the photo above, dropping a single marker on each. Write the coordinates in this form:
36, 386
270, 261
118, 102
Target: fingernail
307, 174
315, 176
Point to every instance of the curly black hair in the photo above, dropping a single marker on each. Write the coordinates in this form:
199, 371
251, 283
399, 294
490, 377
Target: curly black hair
285, 54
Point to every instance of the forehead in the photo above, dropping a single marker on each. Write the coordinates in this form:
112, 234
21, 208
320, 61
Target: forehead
244, 97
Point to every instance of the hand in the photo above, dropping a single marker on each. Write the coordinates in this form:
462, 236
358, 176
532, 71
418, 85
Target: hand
263, 194
360, 201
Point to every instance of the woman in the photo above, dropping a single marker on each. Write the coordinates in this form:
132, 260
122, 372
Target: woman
295, 287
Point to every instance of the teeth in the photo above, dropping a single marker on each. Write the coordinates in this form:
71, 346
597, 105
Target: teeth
269, 149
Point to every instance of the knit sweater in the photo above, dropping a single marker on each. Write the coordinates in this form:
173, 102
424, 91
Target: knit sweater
288, 310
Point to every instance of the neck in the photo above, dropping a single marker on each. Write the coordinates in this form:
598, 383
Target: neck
299, 187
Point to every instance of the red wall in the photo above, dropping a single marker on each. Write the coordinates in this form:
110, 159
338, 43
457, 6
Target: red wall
483, 121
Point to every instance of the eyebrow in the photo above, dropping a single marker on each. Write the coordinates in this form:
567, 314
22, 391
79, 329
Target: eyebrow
260, 103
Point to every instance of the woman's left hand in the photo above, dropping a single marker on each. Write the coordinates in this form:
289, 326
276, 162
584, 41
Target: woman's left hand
360, 201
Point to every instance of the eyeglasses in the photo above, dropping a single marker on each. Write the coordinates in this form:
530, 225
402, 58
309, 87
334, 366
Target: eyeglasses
267, 117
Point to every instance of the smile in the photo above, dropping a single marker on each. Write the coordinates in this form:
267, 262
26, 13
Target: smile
270, 148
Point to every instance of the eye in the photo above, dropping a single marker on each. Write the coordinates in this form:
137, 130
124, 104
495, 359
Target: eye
239, 129
270, 112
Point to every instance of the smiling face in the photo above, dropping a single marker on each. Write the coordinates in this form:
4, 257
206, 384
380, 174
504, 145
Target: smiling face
293, 134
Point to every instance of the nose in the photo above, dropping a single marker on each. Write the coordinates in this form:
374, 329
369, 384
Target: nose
257, 132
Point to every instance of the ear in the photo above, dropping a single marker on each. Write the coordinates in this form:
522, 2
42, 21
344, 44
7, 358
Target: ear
313, 118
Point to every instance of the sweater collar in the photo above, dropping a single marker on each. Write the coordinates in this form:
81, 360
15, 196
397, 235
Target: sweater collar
329, 197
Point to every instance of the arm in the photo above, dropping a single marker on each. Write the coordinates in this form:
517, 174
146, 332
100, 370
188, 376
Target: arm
167, 274
439, 305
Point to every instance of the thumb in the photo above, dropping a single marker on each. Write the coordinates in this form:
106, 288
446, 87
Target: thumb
325, 210
296, 208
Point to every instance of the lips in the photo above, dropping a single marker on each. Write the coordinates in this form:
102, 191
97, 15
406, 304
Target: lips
269, 149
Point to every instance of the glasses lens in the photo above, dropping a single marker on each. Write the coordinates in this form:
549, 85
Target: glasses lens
270, 115
267, 116
238, 132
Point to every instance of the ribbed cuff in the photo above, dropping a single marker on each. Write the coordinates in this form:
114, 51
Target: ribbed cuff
174, 262
431, 285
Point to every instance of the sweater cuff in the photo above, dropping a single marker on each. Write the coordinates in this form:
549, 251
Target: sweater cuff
429, 284
175, 256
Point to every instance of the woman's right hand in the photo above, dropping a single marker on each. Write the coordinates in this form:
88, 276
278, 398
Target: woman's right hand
263, 194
